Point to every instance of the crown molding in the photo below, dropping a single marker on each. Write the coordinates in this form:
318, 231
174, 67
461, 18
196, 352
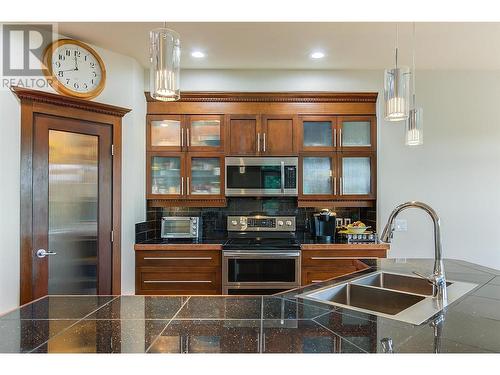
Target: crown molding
25, 94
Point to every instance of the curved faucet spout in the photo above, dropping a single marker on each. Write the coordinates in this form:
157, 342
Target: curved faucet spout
437, 279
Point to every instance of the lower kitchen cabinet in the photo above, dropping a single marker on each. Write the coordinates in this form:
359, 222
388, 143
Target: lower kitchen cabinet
181, 272
323, 262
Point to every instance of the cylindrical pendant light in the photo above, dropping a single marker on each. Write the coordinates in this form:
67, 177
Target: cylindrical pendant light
397, 90
414, 132
165, 53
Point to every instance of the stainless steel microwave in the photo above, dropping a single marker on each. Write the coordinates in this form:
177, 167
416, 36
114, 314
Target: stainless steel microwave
180, 227
261, 176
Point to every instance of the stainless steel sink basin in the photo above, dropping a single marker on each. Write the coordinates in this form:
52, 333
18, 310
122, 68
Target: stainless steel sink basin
396, 296
403, 283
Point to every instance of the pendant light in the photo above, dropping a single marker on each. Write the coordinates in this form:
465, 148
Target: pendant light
397, 90
414, 132
165, 55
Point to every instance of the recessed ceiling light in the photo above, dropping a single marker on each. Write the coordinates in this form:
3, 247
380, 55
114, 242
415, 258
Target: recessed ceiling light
197, 54
317, 55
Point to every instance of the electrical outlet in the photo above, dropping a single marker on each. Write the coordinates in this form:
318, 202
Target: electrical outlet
400, 225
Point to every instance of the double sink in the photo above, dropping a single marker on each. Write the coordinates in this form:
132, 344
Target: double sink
396, 296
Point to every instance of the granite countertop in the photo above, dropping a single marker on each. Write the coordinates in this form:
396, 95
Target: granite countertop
252, 324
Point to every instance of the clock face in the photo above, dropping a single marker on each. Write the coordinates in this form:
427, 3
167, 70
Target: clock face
77, 69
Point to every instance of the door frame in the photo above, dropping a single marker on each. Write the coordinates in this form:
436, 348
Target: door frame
37, 102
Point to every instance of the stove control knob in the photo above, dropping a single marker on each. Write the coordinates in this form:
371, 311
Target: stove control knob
288, 223
234, 222
243, 221
280, 223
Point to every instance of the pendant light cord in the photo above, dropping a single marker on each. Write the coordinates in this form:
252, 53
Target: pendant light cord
397, 43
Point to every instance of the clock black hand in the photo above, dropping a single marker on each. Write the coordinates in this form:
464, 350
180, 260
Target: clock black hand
76, 63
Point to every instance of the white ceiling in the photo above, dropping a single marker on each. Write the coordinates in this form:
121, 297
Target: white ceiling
287, 45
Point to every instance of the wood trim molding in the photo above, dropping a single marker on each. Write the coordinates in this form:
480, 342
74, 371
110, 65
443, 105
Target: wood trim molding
36, 102
335, 203
187, 202
278, 97
49, 98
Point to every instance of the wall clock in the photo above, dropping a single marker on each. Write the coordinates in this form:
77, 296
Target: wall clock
73, 68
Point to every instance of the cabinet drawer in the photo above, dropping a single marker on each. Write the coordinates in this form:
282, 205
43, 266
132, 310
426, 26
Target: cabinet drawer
178, 258
325, 258
178, 281
315, 275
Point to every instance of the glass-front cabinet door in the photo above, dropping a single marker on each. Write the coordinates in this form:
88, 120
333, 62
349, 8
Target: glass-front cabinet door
205, 133
318, 133
318, 173
165, 175
357, 133
357, 171
204, 175
164, 133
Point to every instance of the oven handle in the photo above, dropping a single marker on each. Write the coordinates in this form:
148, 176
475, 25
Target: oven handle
228, 254
282, 177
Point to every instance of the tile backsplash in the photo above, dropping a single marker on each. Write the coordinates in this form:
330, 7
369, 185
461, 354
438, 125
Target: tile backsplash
214, 219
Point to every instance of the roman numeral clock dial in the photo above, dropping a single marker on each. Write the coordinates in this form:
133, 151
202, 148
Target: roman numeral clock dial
74, 68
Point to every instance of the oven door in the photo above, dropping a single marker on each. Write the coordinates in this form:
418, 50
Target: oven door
260, 272
254, 176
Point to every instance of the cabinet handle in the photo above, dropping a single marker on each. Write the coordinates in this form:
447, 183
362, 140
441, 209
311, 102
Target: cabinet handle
340, 137
176, 281
258, 142
346, 258
334, 185
182, 137
335, 137
177, 258
341, 187
264, 135
187, 137
182, 185
317, 281
187, 185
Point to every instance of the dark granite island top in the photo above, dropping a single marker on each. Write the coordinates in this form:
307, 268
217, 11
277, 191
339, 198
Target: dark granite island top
253, 324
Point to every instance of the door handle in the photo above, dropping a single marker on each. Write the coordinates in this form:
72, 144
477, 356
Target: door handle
187, 138
264, 141
258, 142
187, 185
42, 253
182, 185
182, 138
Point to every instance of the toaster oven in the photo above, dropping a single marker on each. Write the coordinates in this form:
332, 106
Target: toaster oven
180, 227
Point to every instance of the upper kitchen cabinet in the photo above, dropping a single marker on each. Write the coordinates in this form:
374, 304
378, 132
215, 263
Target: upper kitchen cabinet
318, 133
164, 133
185, 133
205, 175
165, 175
244, 136
279, 134
357, 175
205, 133
318, 176
267, 135
357, 133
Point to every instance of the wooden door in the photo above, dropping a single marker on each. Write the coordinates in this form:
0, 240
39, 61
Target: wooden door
165, 133
72, 207
205, 133
357, 175
278, 135
204, 175
318, 133
244, 135
165, 175
357, 133
318, 176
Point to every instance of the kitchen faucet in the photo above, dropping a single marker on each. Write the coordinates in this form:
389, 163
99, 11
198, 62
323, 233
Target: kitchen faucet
437, 279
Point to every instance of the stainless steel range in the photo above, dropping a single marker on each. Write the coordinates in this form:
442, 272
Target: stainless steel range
261, 255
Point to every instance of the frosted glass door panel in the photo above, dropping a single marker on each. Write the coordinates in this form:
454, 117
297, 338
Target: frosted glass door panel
205, 133
166, 133
165, 175
317, 175
356, 133
318, 134
73, 212
356, 176
205, 176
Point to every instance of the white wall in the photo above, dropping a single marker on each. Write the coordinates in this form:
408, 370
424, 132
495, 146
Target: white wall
457, 170
124, 87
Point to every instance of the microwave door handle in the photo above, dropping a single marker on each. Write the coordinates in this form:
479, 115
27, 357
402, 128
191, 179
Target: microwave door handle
283, 177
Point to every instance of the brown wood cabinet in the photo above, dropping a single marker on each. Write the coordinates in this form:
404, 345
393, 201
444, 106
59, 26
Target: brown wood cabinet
185, 175
177, 271
323, 262
334, 134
